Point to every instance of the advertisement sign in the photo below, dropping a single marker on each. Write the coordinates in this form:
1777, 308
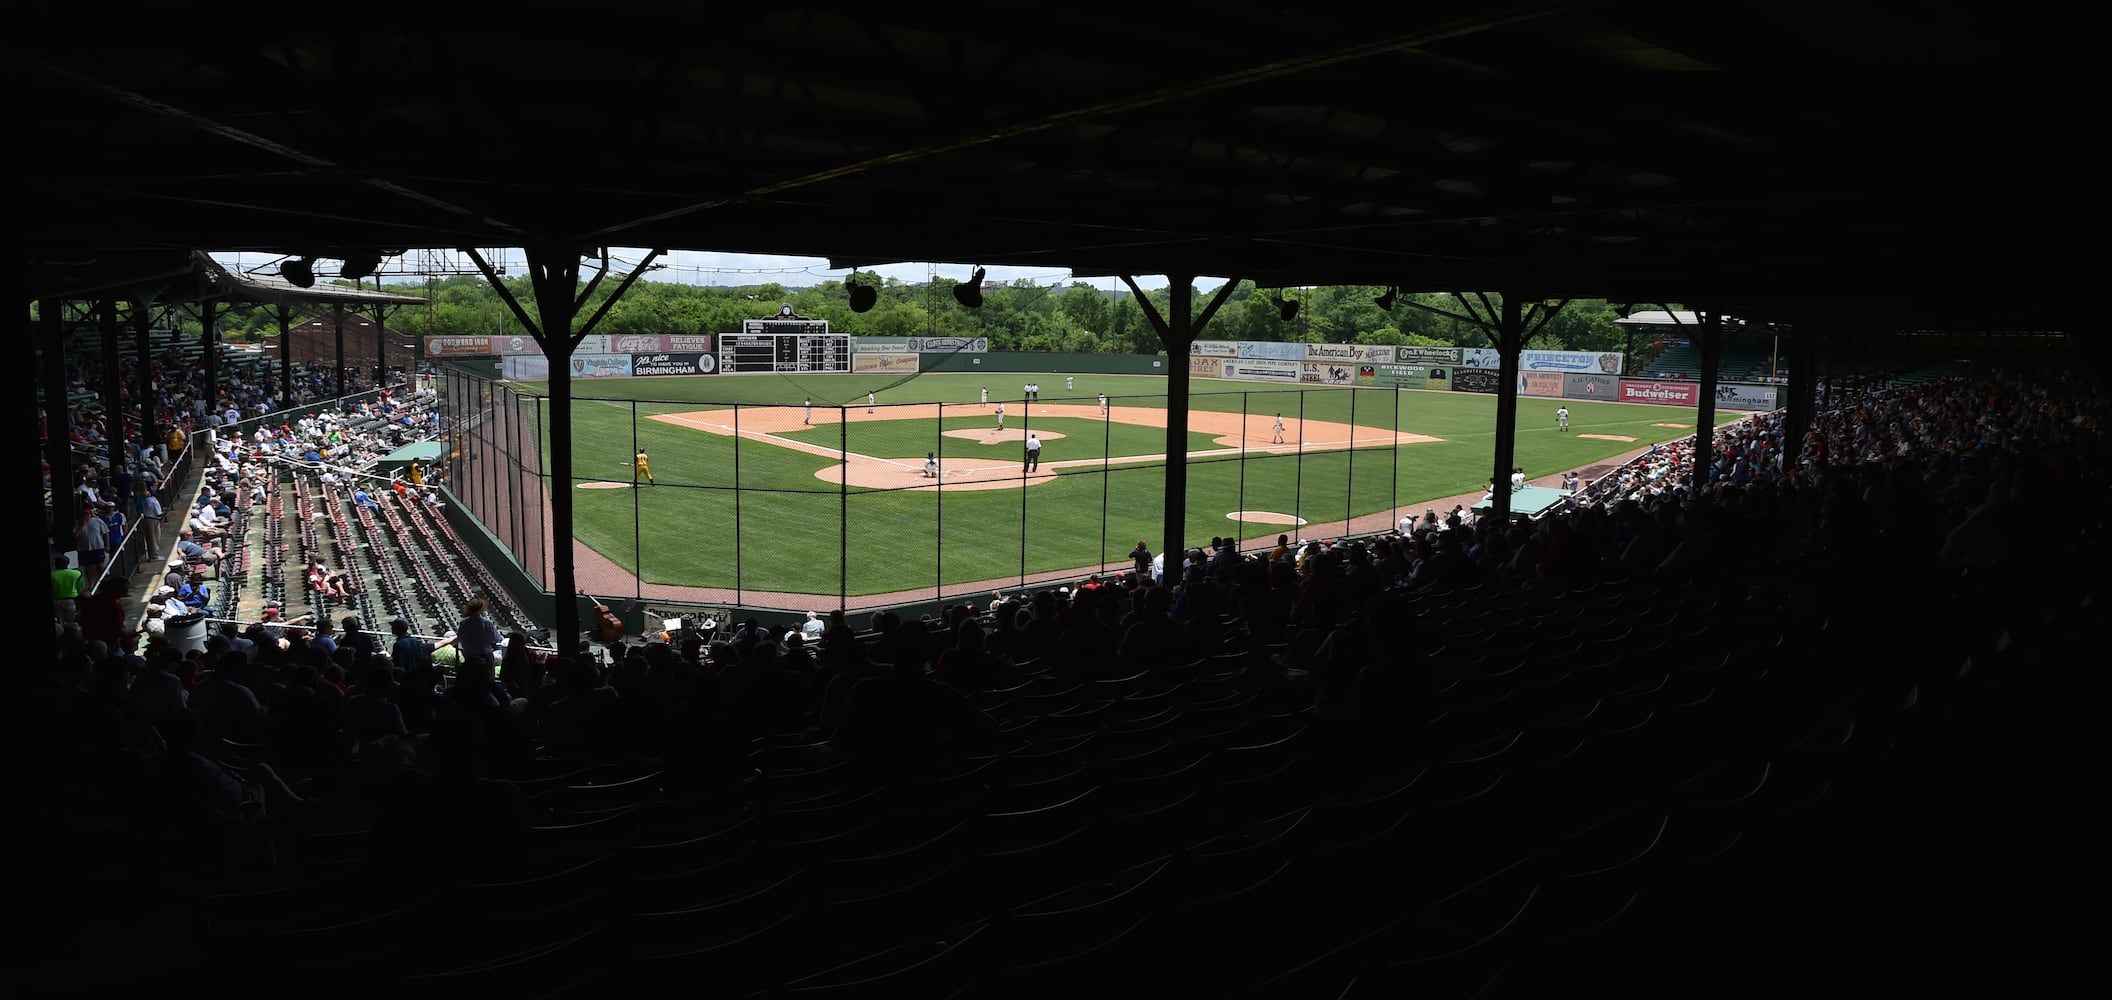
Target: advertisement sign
1326, 374
887, 364
691, 363
1604, 363
601, 365
950, 345
1437, 377
656, 343
1426, 355
1480, 357
1667, 393
1356, 354
881, 345
1269, 350
524, 367
1264, 370
1213, 349
1210, 367
1604, 388
1539, 384
1390, 376
1744, 396
1474, 380
457, 347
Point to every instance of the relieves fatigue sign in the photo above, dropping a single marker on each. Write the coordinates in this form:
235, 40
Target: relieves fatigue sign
1405, 376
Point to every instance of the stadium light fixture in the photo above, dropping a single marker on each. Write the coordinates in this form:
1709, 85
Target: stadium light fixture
1621, 311
360, 265
1286, 309
298, 273
863, 297
1386, 301
970, 293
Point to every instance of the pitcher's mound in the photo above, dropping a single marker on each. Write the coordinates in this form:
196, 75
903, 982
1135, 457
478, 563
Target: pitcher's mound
1264, 517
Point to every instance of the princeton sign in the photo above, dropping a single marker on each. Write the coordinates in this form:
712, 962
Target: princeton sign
1603, 363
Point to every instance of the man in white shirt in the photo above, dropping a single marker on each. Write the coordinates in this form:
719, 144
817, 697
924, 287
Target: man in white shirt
1407, 524
1517, 479
1033, 452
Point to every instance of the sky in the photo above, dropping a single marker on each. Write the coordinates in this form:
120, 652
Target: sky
696, 267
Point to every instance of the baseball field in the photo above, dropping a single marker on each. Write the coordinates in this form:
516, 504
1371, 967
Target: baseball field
755, 490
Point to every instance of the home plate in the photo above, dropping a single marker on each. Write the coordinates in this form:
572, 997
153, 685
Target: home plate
1606, 437
1265, 517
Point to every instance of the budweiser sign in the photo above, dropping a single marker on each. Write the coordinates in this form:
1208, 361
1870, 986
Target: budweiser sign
1665, 393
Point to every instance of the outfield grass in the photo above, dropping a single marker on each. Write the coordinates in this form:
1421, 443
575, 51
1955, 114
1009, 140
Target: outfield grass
784, 521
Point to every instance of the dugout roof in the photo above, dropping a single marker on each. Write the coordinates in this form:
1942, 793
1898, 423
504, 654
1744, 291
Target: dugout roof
1745, 153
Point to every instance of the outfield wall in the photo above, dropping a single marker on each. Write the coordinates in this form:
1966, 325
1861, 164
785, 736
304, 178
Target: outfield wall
1043, 364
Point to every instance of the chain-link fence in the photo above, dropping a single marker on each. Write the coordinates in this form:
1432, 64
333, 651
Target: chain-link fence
769, 505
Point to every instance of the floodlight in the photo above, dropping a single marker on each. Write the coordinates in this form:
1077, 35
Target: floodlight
970, 293
863, 297
298, 273
1286, 309
1386, 301
359, 266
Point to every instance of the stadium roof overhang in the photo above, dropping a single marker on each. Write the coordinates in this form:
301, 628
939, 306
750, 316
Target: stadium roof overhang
1759, 156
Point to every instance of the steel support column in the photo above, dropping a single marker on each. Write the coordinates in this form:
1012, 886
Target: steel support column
1509, 334
285, 316
143, 374
1177, 331
107, 329
209, 340
58, 424
41, 644
1805, 342
553, 276
337, 321
1710, 339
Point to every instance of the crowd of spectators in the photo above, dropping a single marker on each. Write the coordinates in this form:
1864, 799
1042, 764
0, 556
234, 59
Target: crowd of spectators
1903, 477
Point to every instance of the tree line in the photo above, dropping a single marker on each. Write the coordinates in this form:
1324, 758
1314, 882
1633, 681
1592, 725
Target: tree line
1020, 316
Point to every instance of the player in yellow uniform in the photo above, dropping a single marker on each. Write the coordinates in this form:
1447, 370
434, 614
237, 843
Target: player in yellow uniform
645, 470
417, 475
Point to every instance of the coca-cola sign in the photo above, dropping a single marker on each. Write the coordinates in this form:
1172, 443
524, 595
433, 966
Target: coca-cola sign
1664, 393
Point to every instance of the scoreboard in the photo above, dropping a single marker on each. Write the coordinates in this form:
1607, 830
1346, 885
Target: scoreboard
787, 343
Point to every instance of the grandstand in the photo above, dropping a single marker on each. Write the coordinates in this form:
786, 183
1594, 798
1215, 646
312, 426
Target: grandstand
1791, 705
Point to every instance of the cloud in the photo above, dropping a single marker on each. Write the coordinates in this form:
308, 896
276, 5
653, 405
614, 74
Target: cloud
704, 267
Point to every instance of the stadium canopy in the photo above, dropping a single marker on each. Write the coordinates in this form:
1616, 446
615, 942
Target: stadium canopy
427, 452
1661, 317
1750, 155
